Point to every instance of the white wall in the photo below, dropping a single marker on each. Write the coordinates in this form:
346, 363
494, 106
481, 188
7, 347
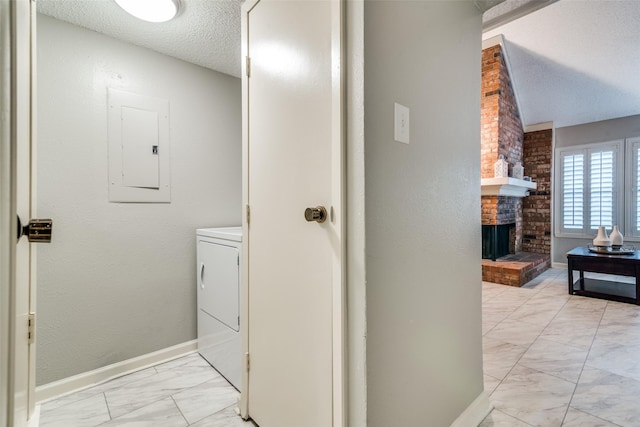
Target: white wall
606, 130
589, 133
423, 243
119, 280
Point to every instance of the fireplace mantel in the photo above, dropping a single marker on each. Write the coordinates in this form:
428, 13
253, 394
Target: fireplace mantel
506, 187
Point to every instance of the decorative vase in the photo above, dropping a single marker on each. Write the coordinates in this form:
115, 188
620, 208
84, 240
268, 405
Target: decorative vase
518, 171
617, 239
501, 168
602, 240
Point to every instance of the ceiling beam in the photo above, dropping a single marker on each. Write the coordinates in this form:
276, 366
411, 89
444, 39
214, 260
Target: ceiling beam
510, 10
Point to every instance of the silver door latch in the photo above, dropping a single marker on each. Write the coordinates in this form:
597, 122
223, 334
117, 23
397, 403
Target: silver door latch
37, 230
318, 214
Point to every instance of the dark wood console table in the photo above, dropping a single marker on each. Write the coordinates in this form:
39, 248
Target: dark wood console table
581, 259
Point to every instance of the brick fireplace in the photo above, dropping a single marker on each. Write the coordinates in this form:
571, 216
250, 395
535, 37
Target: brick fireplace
524, 221
504, 210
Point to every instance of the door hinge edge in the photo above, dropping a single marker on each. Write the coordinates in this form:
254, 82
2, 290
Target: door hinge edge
247, 365
31, 328
248, 66
248, 214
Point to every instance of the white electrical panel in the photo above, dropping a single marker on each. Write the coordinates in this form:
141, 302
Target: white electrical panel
139, 163
139, 159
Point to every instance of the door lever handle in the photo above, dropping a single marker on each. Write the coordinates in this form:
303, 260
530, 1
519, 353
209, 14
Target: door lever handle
37, 230
318, 214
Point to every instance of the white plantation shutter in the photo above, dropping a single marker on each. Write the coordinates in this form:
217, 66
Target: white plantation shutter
632, 192
636, 190
573, 191
602, 189
590, 184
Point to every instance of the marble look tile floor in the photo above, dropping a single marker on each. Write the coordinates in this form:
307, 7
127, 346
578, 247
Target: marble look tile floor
183, 392
552, 359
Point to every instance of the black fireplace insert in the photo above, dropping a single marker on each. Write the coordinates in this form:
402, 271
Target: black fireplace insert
496, 240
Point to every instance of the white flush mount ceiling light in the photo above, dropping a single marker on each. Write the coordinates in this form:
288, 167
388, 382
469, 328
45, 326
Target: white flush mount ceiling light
151, 10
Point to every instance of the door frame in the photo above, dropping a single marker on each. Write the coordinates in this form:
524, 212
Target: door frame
338, 196
33, 201
17, 266
7, 213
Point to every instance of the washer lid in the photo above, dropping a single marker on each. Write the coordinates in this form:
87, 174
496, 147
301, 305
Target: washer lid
227, 233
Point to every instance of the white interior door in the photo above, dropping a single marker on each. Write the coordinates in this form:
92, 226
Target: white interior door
293, 157
15, 169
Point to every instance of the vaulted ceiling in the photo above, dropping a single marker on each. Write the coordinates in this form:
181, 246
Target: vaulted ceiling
575, 62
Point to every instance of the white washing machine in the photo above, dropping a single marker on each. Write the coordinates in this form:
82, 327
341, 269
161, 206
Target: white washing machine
218, 281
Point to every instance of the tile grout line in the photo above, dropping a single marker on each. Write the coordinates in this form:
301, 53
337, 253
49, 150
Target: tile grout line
126, 384
585, 363
180, 410
134, 410
595, 416
514, 417
233, 405
507, 316
104, 396
527, 349
581, 312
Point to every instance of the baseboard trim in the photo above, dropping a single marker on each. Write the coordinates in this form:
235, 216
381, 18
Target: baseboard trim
475, 413
562, 265
97, 376
34, 420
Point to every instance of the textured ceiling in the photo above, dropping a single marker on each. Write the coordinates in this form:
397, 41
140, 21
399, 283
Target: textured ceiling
206, 32
575, 62
485, 5
572, 61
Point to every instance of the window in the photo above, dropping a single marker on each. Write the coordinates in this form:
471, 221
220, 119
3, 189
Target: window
591, 188
602, 191
632, 185
572, 191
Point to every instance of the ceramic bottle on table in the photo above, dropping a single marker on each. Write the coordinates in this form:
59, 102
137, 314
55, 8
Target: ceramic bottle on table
617, 239
602, 240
